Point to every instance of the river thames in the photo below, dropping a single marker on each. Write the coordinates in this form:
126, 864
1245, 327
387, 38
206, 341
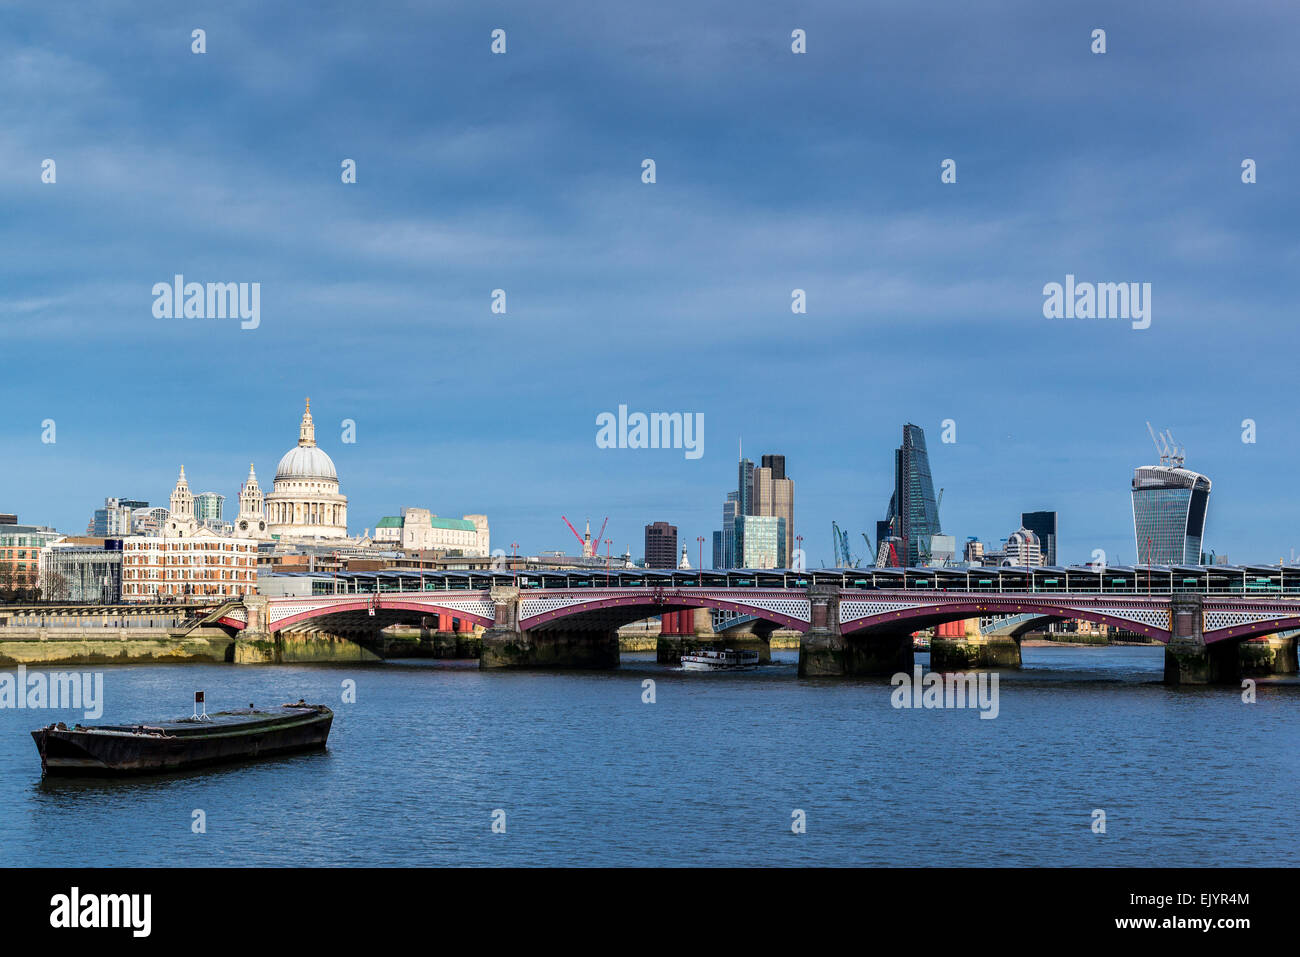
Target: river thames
709, 774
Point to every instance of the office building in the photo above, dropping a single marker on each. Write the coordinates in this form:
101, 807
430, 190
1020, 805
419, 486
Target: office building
1042, 524
661, 545
1023, 549
760, 541
20, 556
745, 487
82, 570
730, 512
208, 505
913, 515
774, 495
1169, 509
195, 566
114, 519
418, 529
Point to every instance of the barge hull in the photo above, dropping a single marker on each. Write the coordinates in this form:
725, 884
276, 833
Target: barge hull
80, 753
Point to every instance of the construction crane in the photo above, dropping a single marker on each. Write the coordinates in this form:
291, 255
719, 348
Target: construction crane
1169, 451
887, 552
589, 544
843, 556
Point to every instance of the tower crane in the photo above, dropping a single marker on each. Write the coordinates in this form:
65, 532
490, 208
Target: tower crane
589, 545
843, 556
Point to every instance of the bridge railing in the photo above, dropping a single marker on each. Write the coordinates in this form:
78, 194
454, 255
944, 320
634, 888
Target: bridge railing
1075, 579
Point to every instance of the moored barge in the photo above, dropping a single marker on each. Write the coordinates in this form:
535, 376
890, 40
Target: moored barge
223, 736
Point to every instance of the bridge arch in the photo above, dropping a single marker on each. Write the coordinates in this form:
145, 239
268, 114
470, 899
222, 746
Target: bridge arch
388, 611
625, 609
926, 616
1249, 630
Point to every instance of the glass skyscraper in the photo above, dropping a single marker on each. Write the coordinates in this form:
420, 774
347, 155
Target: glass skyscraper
1042, 524
745, 489
913, 511
764, 492
730, 509
1169, 508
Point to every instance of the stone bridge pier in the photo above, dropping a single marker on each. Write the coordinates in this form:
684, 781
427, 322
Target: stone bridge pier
683, 633
825, 651
1188, 659
965, 647
563, 645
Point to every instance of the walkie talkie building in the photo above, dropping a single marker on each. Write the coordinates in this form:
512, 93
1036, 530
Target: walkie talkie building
1169, 507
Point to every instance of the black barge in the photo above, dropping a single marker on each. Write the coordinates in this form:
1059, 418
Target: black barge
184, 743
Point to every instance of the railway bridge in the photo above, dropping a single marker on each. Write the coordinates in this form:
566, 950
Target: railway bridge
852, 621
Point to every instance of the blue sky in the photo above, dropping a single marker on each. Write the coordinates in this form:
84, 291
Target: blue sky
775, 171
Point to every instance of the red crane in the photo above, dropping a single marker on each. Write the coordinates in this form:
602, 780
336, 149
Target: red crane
589, 545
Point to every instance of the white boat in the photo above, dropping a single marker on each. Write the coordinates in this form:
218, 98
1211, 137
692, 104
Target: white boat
727, 660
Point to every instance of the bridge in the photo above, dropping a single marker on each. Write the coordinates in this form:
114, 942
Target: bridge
852, 621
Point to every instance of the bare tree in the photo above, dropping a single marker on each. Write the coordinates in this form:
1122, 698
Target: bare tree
55, 587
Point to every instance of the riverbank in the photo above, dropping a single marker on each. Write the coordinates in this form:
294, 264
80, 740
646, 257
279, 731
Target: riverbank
117, 646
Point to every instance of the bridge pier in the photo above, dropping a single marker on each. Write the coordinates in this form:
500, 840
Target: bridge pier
821, 649
968, 653
255, 644
506, 645
1188, 659
1270, 655
824, 651
682, 633
973, 649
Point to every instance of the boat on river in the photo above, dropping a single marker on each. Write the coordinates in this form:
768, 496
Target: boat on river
182, 743
727, 660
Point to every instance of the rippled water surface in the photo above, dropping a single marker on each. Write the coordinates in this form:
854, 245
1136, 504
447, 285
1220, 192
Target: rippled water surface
709, 774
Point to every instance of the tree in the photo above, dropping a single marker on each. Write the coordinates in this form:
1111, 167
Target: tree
55, 587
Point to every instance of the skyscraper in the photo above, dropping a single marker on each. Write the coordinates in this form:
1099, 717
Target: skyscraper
762, 492
730, 510
774, 495
1042, 524
913, 511
661, 545
1169, 508
745, 487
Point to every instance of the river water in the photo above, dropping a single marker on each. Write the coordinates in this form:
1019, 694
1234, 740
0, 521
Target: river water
711, 773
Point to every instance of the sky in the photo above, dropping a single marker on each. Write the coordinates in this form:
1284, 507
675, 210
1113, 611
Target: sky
775, 171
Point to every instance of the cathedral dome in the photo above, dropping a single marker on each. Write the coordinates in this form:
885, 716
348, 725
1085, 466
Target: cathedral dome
306, 502
306, 462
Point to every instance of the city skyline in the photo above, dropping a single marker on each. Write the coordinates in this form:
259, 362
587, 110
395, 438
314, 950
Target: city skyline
547, 540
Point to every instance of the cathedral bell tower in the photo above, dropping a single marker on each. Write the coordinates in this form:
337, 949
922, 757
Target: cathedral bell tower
251, 522
181, 523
